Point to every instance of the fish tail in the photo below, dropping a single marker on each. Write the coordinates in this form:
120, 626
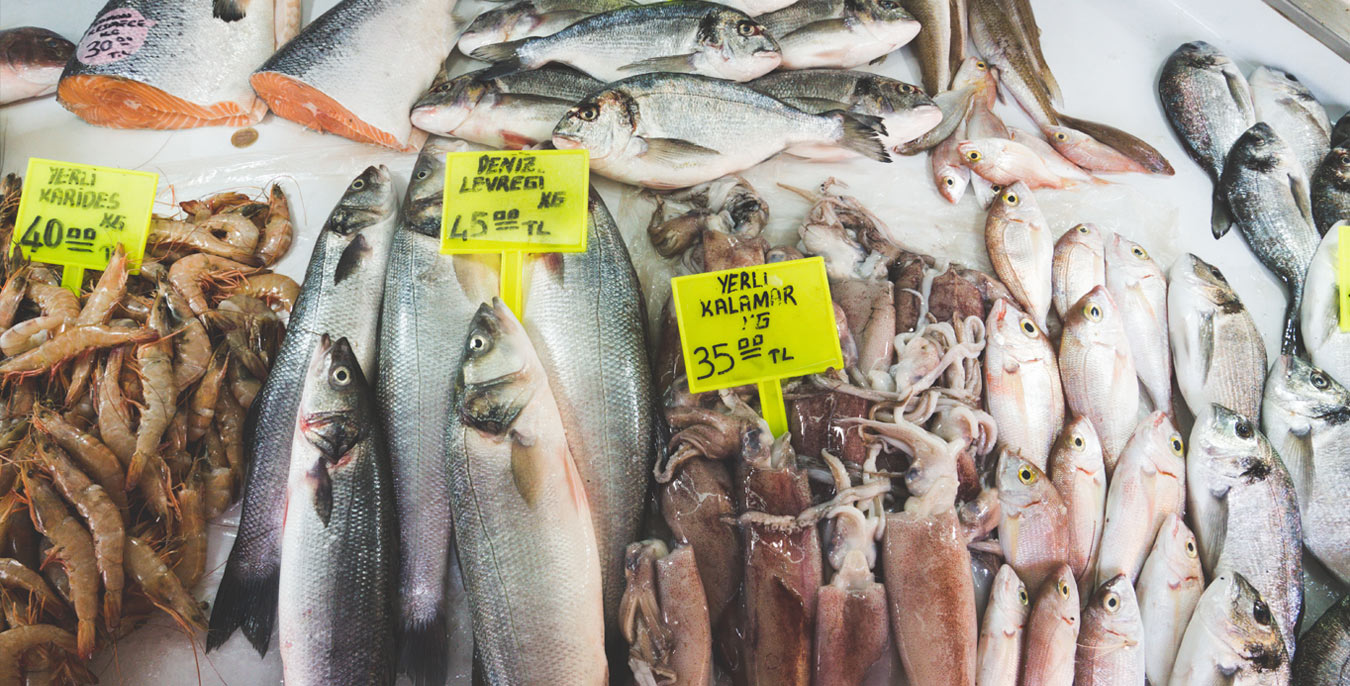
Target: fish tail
422, 654
862, 134
1219, 218
228, 10
247, 603
1291, 341
505, 59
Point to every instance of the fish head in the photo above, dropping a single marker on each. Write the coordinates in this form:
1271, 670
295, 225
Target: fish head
1338, 164
906, 111
1079, 447
1200, 55
1180, 552
977, 152
1202, 286
952, 182
1094, 319
426, 186
735, 47
1009, 595
1016, 335
885, 20
446, 106
1230, 449
499, 25
974, 72
604, 123
368, 200
1279, 81
1260, 150
1247, 623
1087, 236
1059, 594
1065, 137
333, 414
1115, 607
1022, 485
31, 47
494, 381
1131, 261
1306, 393
1014, 203
1159, 443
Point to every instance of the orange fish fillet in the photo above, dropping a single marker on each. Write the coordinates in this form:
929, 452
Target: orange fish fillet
304, 104
122, 103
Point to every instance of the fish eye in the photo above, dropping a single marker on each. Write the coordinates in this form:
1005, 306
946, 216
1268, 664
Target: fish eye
1178, 447
1344, 159
1022, 596
342, 376
981, 65
1063, 587
1217, 274
1243, 429
422, 174
1011, 199
1139, 252
1112, 602
1029, 328
1261, 613
1093, 312
904, 87
949, 181
974, 155
1061, 136
358, 184
1077, 442
477, 343
1320, 381
588, 112
1082, 228
1190, 548
745, 27
1026, 476
888, 4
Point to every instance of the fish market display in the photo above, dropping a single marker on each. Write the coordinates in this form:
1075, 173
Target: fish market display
357, 69
1282, 101
1138, 285
512, 111
941, 40
171, 66
838, 33
1098, 370
528, 18
1231, 634
1328, 345
31, 61
1168, 589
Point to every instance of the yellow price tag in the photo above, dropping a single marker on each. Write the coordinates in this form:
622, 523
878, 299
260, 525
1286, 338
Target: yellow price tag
74, 215
757, 325
1343, 275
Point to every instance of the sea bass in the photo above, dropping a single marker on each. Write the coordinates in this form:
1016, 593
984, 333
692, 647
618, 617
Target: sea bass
341, 296
529, 18
1079, 475
1139, 287
31, 62
1217, 351
1079, 265
905, 110
1021, 249
1231, 638
1282, 101
1097, 367
839, 34
1328, 346
1023, 390
1168, 588
513, 111
339, 554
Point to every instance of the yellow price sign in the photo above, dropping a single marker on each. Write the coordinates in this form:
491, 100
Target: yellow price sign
1343, 275
74, 215
757, 325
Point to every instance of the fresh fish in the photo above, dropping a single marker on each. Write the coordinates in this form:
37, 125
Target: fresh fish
954, 104
1090, 145
1024, 20
839, 33
1306, 414
1058, 164
1268, 195
1282, 101
522, 520
1023, 391
1052, 632
339, 550
983, 123
1021, 249
429, 298
31, 61
656, 131
933, 45
1097, 367
1033, 530
1079, 475
1328, 346
976, 73
1231, 638
514, 111
1217, 351
1169, 586
1001, 631
529, 18
999, 39
1209, 104
1005, 162
1234, 471
941, 652
1111, 641
1148, 484
1139, 287
755, 8
150, 65
985, 190
1340, 133
357, 69
1088, 152
1323, 657
905, 111
685, 36
341, 296
1078, 266
949, 175
1330, 189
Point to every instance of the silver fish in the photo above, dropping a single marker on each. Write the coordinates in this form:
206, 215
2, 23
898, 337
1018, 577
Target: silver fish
1231, 638
1323, 657
1268, 195
933, 45
1098, 371
513, 111
341, 296
681, 36
1148, 485
1052, 632
1001, 631
905, 110
656, 130
954, 105
1021, 249
339, 551
1330, 188
1234, 472
1000, 40
1078, 473
31, 61
1282, 101
1169, 586
839, 34
1217, 351
529, 18
1327, 344
1139, 288
1023, 390
1111, 640
1079, 264
949, 175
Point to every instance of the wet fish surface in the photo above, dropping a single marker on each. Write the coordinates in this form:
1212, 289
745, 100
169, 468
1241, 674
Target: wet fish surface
31, 62
1330, 189
1323, 657
839, 33
1168, 589
905, 110
512, 111
1282, 101
1217, 351
529, 18
1231, 638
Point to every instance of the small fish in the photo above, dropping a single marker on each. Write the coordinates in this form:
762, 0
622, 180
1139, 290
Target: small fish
999, 37
1147, 485
933, 45
1033, 530
953, 104
1052, 632
31, 60
1097, 367
1091, 146
1004, 623
1231, 638
976, 73
1089, 153
1209, 104
1139, 287
949, 175
529, 18
513, 111
1217, 351
1055, 162
1111, 641
1079, 475
1328, 346
1330, 189
1169, 586
1282, 101
1022, 387
685, 36
1323, 657
1005, 162
905, 110
839, 33
1078, 266
1021, 249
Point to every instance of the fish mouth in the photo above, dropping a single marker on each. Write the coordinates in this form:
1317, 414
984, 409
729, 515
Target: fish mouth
567, 141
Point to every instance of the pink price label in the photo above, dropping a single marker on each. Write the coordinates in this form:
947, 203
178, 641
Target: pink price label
114, 36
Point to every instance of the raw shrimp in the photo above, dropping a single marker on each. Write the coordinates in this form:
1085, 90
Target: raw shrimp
75, 548
70, 343
13, 574
217, 491
11, 296
28, 334
279, 290
159, 391
21, 639
202, 404
164, 589
243, 385
92, 455
111, 286
187, 275
55, 301
173, 233
191, 533
230, 422
114, 425
191, 353
276, 234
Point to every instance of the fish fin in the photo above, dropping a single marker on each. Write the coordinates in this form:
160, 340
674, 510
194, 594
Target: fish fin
861, 133
670, 63
243, 602
1219, 218
675, 150
525, 468
322, 485
422, 655
351, 257
1205, 353
505, 58
1298, 185
1291, 342
1241, 92
228, 10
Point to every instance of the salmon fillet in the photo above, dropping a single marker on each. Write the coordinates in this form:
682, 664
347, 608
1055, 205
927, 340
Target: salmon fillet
122, 103
293, 99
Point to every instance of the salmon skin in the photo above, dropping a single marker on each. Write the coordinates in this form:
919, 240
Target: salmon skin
357, 70
144, 64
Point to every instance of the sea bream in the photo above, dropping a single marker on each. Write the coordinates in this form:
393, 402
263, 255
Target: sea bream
1282, 101
905, 110
153, 65
1023, 391
1079, 265
357, 69
529, 18
31, 62
1098, 371
512, 111
838, 34
1331, 189
1079, 475
1231, 638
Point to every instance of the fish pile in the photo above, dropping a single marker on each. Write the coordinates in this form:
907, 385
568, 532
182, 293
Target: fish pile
123, 422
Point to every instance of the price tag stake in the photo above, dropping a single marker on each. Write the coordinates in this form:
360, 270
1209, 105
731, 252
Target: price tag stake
757, 325
1343, 275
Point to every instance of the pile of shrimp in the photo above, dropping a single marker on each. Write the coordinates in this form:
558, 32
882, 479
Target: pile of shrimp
122, 424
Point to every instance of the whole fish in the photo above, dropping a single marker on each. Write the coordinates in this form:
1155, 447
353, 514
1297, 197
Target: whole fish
933, 45
932, 603
529, 18
522, 520
949, 175
1234, 471
339, 552
1098, 147
1052, 632
1078, 265
683, 36
1058, 164
1328, 346
513, 111
1231, 638
1005, 162
429, 298
1139, 287
1147, 485
1001, 631
976, 73
1306, 414
1111, 641
953, 104
1021, 249
341, 296
1282, 101
31, 61
1268, 195
655, 131
839, 33
1097, 367
1217, 351
905, 111
149, 65
1024, 21
1033, 530
1330, 189
1000, 40
1209, 104
1022, 388
1079, 475
1323, 657
1169, 586
358, 68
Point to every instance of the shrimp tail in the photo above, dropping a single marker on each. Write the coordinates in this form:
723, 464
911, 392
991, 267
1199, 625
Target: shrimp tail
84, 638
135, 469
112, 609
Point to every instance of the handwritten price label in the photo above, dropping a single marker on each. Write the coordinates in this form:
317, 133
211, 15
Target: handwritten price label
1343, 274
742, 326
515, 201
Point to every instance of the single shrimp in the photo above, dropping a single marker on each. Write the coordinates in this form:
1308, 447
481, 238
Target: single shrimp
227, 200
55, 301
277, 232
230, 421
28, 334
188, 273
70, 343
15, 642
202, 403
170, 233
160, 393
191, 353
164, 589
136, 307
252, 331
191, 532
11, 296
101, 515
74, 547
111, 286
278, 290
13, 574
114, 424
217, 491
93, 456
